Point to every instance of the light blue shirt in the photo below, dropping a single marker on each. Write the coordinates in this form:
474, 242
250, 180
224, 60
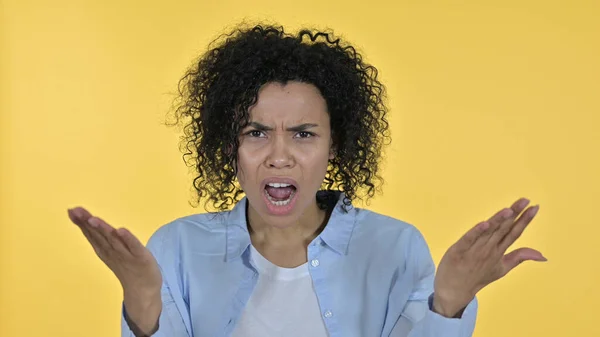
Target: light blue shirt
372, 274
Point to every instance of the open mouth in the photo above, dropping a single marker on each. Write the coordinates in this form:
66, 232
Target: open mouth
280, 194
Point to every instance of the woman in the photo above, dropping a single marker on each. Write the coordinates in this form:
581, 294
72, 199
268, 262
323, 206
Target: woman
296, 124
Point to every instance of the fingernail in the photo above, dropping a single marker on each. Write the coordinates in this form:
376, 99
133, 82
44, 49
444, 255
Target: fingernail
94, 222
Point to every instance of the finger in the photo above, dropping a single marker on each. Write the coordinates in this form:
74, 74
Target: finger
131, 242
495, 222
79, 215
87, 235
102, 235
520, 205
518, 228
470, 237
518, 256
104, 229
509, 222
119, 244
97, 240
72, 216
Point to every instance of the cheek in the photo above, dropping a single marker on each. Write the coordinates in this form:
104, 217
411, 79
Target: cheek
315, 160
239, 172
247, 162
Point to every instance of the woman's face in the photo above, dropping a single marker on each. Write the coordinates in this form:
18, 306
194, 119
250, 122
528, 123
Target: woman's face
284, 151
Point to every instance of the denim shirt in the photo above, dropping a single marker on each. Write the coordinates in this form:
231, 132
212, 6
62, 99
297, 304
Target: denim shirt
372, 274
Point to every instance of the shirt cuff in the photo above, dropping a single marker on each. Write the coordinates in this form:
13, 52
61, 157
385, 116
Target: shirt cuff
438, 325
134, 330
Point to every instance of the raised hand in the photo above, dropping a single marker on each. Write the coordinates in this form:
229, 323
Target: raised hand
131, 262
479, 258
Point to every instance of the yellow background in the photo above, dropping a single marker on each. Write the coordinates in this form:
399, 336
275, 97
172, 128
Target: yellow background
490, 101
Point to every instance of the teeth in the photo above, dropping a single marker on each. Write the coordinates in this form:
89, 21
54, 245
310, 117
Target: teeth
277, 185
282, 202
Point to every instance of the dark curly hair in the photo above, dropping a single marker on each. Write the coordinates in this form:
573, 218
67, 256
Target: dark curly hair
216, 92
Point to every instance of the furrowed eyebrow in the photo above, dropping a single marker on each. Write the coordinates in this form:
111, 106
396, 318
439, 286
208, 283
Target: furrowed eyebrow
297, 128
260, 127
302, 127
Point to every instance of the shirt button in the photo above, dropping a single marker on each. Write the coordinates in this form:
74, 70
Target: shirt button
328, 314
314, 263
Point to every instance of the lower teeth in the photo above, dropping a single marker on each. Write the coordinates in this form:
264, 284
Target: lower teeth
281, 202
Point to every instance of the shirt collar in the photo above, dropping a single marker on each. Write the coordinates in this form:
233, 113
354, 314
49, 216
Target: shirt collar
336, 234
238, 238
340, 226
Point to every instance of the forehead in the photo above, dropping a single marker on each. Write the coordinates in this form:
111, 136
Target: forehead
289, 103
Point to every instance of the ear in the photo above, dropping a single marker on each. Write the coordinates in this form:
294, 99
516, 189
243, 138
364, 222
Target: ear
229, 150
332, 149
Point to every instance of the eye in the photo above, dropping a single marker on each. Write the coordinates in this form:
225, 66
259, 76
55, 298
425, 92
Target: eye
255, 134
304, 134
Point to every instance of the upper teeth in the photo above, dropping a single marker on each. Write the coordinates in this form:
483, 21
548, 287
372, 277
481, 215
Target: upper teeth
278, 185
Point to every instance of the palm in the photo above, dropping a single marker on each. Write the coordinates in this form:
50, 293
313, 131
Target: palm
479, 258
131, 262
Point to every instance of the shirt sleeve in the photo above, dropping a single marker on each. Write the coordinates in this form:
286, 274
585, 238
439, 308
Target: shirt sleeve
172, 321
418, 319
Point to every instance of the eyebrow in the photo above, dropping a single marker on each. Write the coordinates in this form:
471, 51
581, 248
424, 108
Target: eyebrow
296, 128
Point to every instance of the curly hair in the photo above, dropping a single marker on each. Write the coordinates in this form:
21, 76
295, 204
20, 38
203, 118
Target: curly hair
216, 92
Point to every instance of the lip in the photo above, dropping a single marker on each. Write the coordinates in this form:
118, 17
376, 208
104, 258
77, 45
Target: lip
281, 180
279, 210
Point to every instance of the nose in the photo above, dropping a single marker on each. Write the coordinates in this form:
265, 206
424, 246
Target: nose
279, 154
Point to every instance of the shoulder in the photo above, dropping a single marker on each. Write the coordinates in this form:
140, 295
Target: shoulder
205, 231
375, 224
383, 232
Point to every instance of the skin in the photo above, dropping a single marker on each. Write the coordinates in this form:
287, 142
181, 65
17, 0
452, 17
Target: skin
479, 258
269, 148
131, 262
289, 136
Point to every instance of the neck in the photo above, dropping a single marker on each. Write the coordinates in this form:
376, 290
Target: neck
303, 231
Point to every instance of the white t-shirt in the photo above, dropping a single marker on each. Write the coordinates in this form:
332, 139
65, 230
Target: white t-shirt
283, 303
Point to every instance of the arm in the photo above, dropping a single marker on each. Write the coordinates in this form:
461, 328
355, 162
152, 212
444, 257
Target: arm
477, 259
152, 302
169, 324
418, 318
172, 311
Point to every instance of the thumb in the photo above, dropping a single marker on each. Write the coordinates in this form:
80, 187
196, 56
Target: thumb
518, 256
